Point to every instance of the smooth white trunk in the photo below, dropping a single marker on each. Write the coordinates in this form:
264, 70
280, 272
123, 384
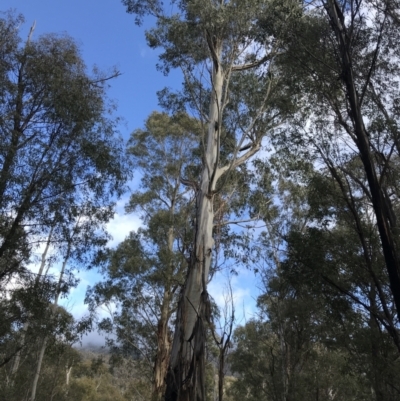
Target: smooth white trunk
38, 368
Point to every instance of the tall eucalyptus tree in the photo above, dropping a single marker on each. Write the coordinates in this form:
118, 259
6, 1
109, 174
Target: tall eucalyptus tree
228, 69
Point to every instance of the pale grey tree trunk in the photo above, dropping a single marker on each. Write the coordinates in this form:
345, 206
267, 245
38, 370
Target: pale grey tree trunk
17, 358
68, 375
38, 368
44, 344
185, 380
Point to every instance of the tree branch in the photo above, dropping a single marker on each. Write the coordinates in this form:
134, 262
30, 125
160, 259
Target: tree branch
255, 64
225, 223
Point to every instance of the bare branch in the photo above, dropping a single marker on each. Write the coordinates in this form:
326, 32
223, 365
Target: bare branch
255, 64
225, 223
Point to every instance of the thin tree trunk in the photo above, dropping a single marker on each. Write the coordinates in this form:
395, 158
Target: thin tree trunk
17, 358
44, 344
373, 325
38, 368
68, 375
221, 373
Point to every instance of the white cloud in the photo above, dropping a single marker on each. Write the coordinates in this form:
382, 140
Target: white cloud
122, 224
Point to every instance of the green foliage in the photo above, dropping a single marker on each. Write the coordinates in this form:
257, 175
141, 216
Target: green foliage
69, 375
59, 149
61, 166
164, 152
145, 272
327, 327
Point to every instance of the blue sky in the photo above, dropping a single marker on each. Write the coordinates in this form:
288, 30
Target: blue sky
108, 37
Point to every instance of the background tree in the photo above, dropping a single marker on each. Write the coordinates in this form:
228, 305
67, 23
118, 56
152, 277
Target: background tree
352, 112
145, 273
58, 146
321, 289
61, 166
